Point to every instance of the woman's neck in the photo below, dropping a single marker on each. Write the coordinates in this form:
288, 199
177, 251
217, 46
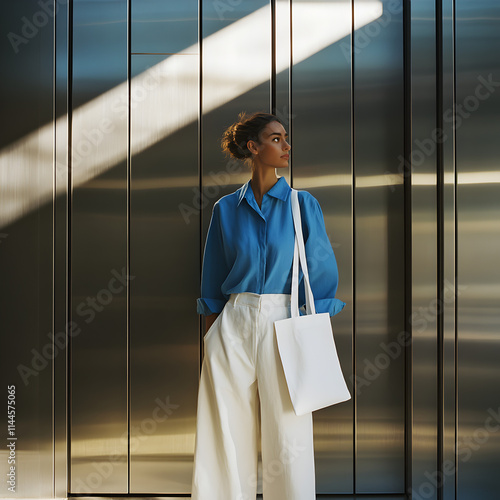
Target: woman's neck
262, 181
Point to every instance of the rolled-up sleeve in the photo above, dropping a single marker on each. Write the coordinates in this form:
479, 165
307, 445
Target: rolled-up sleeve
214, 269
321, 262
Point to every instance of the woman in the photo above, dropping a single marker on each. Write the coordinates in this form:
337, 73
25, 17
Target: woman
246, 279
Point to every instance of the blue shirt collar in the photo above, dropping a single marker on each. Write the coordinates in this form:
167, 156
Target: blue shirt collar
280, 190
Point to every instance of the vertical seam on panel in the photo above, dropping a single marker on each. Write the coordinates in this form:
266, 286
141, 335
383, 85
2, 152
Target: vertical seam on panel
408, 228
68, 237
440, 243
54, 187
353, 258
129, 170
290, 90
455, 205
273, 57
290, 114
201, 322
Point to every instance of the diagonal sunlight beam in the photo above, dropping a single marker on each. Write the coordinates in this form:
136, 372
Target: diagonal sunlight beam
166, 90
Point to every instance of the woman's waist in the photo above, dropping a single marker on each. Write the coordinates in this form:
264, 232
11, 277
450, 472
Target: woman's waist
258, 300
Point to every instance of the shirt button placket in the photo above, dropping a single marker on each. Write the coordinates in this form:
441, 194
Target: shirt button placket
264, 254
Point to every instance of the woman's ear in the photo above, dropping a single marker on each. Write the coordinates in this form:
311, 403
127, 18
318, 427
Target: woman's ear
252, 147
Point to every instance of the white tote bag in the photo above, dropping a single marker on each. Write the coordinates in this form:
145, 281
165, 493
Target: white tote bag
305, 343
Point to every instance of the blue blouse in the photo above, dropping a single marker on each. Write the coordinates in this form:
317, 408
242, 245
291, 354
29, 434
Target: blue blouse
250, 249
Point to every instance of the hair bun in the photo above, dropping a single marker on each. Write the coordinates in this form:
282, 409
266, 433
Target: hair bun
230, 145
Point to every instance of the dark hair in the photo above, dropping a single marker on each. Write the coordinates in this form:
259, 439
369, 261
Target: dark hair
247, 128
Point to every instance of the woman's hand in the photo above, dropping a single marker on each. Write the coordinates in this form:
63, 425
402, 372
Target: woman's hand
209, 320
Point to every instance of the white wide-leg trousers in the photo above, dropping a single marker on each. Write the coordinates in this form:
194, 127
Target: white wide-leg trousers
242, 372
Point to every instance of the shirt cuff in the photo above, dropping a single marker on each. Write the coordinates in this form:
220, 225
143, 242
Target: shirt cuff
331, 306
209, 306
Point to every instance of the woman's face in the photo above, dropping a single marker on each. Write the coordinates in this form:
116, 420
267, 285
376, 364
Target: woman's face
272, 150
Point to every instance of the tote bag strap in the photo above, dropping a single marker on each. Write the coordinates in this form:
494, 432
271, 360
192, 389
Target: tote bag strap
299, 253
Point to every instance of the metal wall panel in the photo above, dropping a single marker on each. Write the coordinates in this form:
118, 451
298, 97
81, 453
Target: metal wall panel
164, 256
26, 249
424, 310
164, 182
99, 358
236, 72
478, 247
379, 251
321, 155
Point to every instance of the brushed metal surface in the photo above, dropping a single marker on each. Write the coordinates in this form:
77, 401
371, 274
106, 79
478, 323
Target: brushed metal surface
478, 247
424, 311
26, 252
164, 256
321, 154
378, 252
99, 364
166, 27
